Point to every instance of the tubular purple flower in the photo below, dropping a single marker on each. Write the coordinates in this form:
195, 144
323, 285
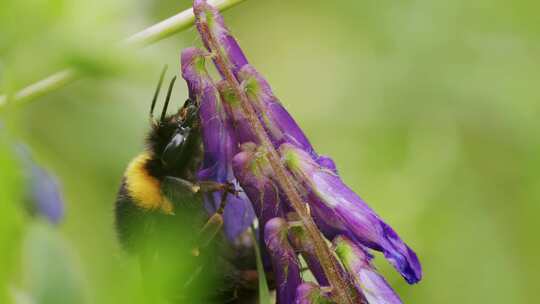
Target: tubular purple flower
218, 141
208, 18
310, 293
357, 261
284, 260
346, 212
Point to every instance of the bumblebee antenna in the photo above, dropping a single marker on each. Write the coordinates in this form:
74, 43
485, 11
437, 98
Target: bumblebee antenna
158, 88
167, 99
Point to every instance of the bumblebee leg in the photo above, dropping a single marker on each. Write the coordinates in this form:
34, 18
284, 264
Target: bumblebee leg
214, 224
180, 186
209, 231
210, 186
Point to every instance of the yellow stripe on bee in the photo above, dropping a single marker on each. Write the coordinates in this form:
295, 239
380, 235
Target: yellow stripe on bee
144, 188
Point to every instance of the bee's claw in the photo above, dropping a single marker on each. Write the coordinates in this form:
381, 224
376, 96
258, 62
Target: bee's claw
230, 188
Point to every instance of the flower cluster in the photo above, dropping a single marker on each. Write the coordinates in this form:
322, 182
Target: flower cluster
252, 141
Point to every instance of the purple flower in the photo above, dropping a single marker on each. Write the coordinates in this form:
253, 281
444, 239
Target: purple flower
284, 260
43, 190
357, 261
310, 293
218, 141
46, 194
339, 210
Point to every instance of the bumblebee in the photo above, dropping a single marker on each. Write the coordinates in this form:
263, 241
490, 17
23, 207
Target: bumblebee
160, 218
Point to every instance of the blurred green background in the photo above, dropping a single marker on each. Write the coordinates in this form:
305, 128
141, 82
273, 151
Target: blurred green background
431, 110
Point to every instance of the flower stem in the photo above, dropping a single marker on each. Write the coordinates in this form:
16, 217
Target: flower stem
50, 83
329, 264
150, 35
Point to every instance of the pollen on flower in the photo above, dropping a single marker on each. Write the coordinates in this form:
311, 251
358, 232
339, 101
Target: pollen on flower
290, 158
251, 86
228, 95
200, 64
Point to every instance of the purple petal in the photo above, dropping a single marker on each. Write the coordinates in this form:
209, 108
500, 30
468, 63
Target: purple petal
284, 261
310, 293
357, 261
238, 215
346, 211
218, 141
327, 162
208, 18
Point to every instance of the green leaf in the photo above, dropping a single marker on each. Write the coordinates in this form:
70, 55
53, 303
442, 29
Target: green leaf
264, 292
11, 217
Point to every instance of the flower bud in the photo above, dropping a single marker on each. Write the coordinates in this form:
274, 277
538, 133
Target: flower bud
284, 261
357, 261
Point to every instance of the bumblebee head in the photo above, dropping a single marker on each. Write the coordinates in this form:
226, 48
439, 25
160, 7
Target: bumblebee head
171, 137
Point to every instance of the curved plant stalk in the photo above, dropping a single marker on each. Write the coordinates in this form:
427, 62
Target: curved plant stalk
150, 35
44, 86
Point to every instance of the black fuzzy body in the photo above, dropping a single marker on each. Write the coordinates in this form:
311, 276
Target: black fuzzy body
164, 243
